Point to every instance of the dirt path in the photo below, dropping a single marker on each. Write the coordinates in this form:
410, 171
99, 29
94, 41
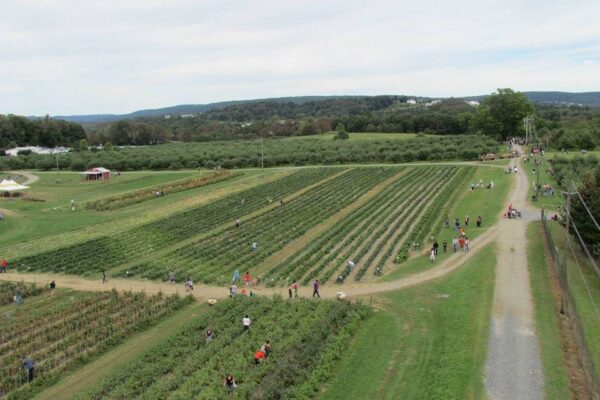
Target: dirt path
31, 178
204, 292
513, 367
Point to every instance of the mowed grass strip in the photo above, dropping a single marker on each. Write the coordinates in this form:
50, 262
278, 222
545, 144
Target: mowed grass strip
427, 342
555, 375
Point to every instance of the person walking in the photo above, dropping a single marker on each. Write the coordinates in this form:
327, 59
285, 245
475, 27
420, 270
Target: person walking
295, 287
232, 290
445, 245
316, 286
456, 224
247, 278
466, 244
209, 336
290, 292
236, 276
447, 222
237, 222
479, 221
229, 383
104, 276
432, 256
172, 277
436, 246
29, 365
246, 323
467, 220
455, 244
3, 266
52, 287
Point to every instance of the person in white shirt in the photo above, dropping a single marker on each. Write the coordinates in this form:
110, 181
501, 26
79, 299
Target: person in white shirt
246, 321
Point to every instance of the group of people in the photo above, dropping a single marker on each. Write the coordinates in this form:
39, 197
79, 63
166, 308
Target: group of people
460, 242
511, 169
512, 213
481, 185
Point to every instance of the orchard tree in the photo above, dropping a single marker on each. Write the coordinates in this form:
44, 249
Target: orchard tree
501, 114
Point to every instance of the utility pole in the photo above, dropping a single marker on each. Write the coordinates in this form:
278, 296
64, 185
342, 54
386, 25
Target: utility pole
564, 276
262, 152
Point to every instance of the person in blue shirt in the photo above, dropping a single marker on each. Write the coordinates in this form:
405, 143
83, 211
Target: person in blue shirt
28, 364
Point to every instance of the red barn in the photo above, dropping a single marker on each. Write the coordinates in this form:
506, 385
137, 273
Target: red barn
97, 174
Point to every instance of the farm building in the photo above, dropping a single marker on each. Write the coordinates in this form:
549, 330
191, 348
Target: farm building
96, 174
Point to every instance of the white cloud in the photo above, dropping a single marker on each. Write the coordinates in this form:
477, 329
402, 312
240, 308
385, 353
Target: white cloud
69, 57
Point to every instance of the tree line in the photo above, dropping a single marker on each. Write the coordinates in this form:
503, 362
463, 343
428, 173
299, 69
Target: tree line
18, 131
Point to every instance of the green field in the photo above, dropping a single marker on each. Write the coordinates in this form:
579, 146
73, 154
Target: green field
427, 342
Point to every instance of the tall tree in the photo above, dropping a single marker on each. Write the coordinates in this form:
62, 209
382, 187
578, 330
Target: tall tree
501, 114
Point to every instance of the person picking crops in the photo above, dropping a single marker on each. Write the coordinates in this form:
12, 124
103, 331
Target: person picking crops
29, 366
3, 266
247, 278
295, 287
229, 383
246, 323
209, 336
259, 356
266, 348
103, 276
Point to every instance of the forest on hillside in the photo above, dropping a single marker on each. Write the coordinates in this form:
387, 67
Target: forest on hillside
499, 116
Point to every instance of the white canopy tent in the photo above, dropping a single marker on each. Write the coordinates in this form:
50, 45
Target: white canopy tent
9, 185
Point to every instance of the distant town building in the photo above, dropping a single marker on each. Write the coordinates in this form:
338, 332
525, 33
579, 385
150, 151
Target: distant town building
186, 115
37, 150
432, 103
473, 103
411, 101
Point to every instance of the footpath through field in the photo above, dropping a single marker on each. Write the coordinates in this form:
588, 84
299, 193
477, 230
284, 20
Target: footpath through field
513, 367
204, 292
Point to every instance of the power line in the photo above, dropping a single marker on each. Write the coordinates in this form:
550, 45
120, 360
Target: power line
588, 210
587, 288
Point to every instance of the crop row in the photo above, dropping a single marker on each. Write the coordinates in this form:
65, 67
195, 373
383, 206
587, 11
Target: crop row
73, 326
376, 241
321, 251
356, 235
109, 251
433, 213
214, 258
9, 289
148, 193
306, 337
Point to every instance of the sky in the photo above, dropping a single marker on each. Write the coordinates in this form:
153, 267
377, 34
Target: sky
89, 57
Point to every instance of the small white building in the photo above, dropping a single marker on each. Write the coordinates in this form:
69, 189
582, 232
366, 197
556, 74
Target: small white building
473, 103
411, 101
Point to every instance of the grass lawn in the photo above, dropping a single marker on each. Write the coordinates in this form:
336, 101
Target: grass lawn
489, 204
556, 380
426, 342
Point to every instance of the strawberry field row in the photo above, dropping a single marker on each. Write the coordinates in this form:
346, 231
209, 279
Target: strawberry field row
215, 258
72, 327
109, 251
306, 337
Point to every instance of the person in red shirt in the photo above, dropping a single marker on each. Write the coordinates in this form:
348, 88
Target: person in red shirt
259, 356
3, 265
247, 278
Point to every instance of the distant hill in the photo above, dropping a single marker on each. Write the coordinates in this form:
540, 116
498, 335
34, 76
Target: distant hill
558, 98
183, 109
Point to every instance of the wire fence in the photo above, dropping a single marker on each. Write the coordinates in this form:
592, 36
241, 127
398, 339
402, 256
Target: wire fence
590, 367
